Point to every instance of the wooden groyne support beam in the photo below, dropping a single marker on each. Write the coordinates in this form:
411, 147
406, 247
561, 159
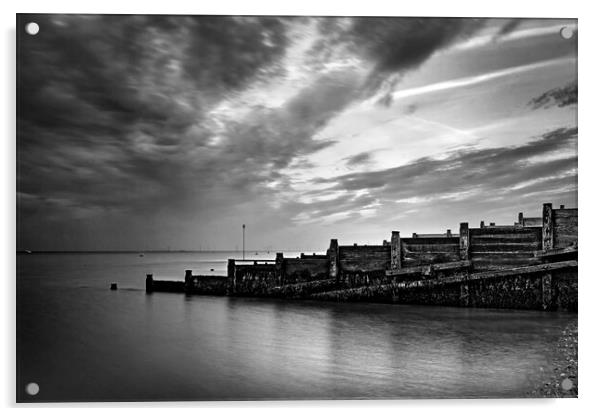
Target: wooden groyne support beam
544, 287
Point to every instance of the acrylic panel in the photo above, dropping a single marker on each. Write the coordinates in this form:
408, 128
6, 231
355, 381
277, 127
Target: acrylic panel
301, 207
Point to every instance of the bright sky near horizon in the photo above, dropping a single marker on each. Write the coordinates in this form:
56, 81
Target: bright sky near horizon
148, 132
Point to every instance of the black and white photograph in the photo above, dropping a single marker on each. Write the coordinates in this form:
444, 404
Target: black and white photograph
295, 207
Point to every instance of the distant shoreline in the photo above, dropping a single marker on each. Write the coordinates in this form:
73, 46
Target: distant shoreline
157, 251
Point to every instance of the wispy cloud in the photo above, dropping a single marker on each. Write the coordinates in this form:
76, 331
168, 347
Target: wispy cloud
470, 174
477, 79
561, 97
508, 33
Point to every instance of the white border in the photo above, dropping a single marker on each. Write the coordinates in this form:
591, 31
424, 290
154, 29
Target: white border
589, 191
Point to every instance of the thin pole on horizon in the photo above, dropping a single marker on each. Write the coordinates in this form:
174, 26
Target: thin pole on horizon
243, 241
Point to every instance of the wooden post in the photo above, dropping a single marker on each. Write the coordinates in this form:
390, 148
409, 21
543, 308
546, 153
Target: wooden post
482, 224
188, 281
546, 292
414, 235
448, 234
464, 294
149, 283
547, 228
464, 240
520, 219
395, 251
279, 267
232, 274
333, 259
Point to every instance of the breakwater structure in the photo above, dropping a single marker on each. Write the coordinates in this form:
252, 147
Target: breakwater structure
531, 264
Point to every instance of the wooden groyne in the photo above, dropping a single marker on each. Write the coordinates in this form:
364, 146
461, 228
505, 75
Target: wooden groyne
531, 264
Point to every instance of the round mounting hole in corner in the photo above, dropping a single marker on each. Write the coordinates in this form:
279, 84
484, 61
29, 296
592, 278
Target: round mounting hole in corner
32, 28
566, 384
32, 389
567, 32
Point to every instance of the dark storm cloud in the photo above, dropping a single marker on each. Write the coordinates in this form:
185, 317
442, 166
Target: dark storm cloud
112, 112
560, 97
132, 88
111, 61
394, 45
114, 118
488, 172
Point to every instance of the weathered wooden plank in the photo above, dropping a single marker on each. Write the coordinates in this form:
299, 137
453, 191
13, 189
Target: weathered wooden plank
507, 236
430, 247
250, 262
567, 220
501, 258
565, 213
524, 246
565, 232
522, 253
503, 231
431, 240
429, 268
556, 251
304, 269
566, 242
358, 247
483, 266
566, 229
572, 236
432, 256
503, 240
532, 221
524, 270
504, 260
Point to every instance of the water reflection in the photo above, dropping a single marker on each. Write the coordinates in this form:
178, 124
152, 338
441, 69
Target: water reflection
80, 341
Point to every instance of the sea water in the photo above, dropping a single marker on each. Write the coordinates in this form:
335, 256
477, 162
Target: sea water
80, 341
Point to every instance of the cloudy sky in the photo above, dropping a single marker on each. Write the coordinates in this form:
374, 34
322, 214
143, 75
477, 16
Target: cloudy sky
149, 132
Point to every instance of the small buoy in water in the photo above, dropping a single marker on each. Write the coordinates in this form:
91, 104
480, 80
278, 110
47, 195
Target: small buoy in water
212, 270
113, 286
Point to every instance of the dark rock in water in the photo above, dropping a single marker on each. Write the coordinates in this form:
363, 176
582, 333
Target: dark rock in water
113, 286
212, 270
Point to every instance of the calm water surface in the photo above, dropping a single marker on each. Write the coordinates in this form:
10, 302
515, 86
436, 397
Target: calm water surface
82, 342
